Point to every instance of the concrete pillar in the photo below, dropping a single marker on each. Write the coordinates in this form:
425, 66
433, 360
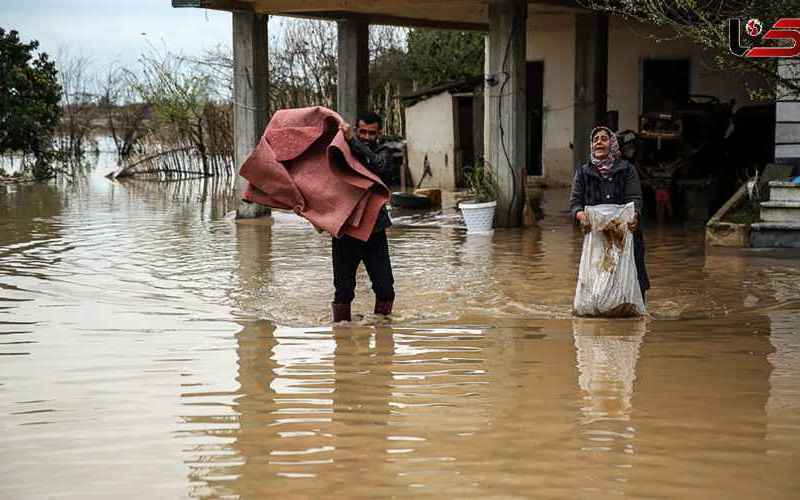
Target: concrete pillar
250, 95
352, 93
505, 105
591, 79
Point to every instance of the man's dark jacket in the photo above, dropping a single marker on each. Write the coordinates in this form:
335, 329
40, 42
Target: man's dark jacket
379, 161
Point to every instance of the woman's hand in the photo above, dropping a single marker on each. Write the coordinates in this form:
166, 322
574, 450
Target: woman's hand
347, 130
634, 225
584, 220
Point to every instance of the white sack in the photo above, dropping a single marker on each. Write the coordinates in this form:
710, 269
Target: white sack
607, 279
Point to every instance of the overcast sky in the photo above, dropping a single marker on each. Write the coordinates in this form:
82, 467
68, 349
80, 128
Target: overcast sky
115, 30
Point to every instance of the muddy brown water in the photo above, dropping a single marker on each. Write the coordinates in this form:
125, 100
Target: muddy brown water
150, 347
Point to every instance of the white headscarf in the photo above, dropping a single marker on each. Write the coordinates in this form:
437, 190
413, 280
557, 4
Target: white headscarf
604, 166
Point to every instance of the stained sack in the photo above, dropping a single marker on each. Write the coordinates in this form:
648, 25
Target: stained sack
607, 279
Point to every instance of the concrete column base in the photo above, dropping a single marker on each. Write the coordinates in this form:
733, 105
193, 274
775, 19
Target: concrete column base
250, 95
506, 107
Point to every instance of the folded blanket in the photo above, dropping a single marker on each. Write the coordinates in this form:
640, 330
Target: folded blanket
303, 164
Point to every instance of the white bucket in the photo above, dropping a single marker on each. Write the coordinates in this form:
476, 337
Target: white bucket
479, 217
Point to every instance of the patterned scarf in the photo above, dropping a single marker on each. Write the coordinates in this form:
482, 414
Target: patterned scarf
604, 166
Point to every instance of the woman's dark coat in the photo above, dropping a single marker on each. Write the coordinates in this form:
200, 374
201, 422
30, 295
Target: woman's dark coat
620, 187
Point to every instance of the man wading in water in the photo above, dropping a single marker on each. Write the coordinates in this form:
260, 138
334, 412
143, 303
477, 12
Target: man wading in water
348, 252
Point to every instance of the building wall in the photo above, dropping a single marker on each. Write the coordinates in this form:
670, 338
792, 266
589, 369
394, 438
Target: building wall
787, 108
627, 48
551, 38
429, 131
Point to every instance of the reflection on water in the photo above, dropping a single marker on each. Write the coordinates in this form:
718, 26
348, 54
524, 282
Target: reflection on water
607, 355
153, 347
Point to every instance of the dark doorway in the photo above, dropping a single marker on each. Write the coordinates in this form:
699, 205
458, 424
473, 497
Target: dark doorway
665, 84
535, 98
464, 135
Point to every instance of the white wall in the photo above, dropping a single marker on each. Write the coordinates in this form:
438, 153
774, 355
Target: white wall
628, 47
429, 131
551, 38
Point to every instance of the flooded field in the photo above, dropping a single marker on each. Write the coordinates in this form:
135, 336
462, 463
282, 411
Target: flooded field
152, 347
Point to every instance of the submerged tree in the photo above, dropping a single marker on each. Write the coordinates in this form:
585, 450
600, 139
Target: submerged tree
77, 106
172, 117
178, 95
29, 97
118, 103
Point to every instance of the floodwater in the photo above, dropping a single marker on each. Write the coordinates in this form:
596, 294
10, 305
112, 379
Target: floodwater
151, 347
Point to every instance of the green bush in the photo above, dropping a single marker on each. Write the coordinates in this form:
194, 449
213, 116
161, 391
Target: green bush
29, 97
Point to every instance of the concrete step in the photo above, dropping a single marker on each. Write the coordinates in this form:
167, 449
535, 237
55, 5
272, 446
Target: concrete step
784, 191
780, 211
775, 235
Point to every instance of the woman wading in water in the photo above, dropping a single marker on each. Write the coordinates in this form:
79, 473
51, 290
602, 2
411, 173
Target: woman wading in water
608, 179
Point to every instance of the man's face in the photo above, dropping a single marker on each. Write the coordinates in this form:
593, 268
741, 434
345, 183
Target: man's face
368, 132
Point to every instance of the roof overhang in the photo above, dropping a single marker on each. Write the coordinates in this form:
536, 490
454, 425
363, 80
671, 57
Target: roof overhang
455, 87
443, 14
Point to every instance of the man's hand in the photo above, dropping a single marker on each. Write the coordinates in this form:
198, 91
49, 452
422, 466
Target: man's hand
584, 220
347, 130
634, 225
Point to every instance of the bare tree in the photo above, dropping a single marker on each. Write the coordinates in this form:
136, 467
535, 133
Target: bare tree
77, 103
118, 103
303, 64
217, 64
389, 77
178, 95
187, 132
303, 67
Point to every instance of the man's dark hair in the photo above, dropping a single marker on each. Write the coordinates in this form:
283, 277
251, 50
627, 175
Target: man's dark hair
370, 117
